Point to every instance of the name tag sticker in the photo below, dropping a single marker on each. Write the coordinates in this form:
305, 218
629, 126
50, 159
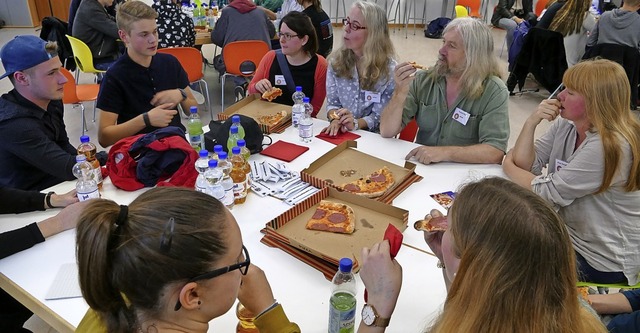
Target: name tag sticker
461, 116
280, 81
560, 164
371, 96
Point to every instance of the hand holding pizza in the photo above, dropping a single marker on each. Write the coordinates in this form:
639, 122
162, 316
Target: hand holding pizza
403, 75
255, 292
382, 277
263, 85
340, 120
434, 238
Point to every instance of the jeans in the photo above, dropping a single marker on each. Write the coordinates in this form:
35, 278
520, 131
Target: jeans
590, 274
509, 25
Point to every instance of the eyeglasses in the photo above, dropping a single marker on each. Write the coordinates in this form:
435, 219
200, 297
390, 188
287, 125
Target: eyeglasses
352, 26
243, 267
286, 36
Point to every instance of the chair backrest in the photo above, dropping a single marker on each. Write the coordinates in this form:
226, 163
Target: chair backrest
238, 56
69, 95
540, 4
190, 59
624, 55
83, 56
461, 11
472, 5
408, 133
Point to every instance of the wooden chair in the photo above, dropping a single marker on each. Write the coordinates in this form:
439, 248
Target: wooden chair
242, 58
191, 60
409, 132
77, 94
83, 57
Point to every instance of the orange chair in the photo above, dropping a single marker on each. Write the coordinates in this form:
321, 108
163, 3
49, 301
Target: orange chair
191, 60
408, 133
242, 58
76, 94
473, 7
540, 4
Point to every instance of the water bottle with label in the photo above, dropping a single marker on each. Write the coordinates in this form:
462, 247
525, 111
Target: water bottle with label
89, 150
194, 127
239, 176
305, 126
342, 304
298, 108
202, 165
227, 182
213, 177
86, 186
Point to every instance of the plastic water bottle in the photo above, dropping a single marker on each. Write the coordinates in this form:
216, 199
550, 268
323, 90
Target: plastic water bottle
234, 136
298, 107
227, 182
239, 176
244, 151
213, 177
86, 186
342, 304
202, 165
305, 127
217, 149
194, 127
89, 150
235, 120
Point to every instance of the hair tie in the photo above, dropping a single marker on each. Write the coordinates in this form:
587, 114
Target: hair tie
122, 216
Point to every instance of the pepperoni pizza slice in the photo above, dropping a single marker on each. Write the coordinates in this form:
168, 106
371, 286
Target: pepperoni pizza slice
272, 93
333, 217
371, 186
438, 223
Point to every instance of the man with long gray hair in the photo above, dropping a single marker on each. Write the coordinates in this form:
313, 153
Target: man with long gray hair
460, 104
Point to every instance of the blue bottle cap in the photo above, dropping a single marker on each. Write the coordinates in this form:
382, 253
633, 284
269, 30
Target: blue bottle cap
204, 153
345, 265
217, 149
242, 143
235, 150
222, 155
193, 109
306, 100
213, 163
84, 139
235, 119
298, 88
234, 129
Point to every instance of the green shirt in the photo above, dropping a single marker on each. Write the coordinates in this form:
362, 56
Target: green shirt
488, 120
272, 5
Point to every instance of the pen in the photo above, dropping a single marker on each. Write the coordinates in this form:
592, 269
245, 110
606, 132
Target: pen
553, 94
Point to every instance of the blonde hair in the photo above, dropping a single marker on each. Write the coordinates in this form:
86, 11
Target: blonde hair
606, 91
377, 50
133, 11
517, 268
568, 20
480, 62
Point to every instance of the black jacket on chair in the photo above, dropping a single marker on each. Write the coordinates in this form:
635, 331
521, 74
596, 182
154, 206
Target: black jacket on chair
626, 56
542, 55
54, 30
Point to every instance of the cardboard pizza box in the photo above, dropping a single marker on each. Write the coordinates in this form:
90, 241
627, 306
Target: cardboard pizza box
253, 106
372, 217
345, 163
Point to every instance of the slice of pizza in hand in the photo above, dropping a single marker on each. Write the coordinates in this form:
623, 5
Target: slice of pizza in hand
333, 217
432, 222
272, 93
371, 186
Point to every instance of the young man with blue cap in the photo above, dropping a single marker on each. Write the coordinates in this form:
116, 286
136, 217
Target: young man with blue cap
35, 152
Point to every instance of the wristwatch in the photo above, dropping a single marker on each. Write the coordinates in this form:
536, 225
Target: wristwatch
183, 93
371, 318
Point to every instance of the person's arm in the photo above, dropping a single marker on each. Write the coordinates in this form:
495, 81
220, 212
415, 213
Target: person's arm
520, 176
615, 303
524, 151
333, 93
319, 85
20, 201
391, 118
173, 97
262, 72
372, 120
480, 153
110, 131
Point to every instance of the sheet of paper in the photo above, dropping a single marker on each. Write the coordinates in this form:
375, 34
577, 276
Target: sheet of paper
66, 284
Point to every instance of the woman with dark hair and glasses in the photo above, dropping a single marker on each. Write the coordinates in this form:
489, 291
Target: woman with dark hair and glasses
304, 67
173, 260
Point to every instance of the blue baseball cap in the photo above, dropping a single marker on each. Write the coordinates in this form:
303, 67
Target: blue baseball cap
23, 52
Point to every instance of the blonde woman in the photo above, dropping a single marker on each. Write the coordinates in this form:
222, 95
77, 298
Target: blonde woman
360, 75
592, 154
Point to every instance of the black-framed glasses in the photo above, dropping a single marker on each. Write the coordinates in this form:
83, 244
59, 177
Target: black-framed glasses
286, 36
352, 26
243, 267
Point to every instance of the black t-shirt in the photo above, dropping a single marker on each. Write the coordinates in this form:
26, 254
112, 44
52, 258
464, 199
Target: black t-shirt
324, 29
128, 87
303, 76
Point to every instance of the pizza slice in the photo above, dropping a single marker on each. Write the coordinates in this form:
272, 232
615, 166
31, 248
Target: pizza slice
272, 93
272, 119
371, 186
418, 66
333, 115
438, 223
333, 217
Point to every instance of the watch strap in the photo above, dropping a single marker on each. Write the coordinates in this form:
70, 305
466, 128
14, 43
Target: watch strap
147, 121
183, 93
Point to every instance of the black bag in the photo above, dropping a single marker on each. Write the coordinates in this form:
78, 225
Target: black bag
435, 28
219, 134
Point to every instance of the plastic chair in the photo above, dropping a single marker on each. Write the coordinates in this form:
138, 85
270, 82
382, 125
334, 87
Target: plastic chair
76, 94
242, 58
83, 57
540, 4
408, 133
191, 60
472, 5
461, 11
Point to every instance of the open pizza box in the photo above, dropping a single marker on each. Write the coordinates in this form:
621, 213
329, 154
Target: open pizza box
345, 163
253, 106
323, 250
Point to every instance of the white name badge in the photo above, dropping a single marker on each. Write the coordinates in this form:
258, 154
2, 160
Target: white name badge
461, 116
560, 164
280, 81
370, 96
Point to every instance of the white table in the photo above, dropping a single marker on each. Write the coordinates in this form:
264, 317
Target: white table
303, 291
